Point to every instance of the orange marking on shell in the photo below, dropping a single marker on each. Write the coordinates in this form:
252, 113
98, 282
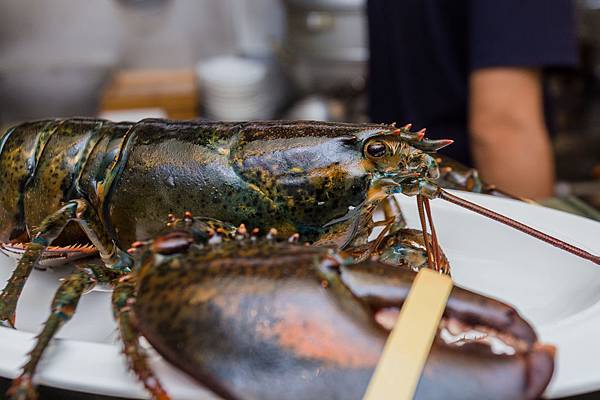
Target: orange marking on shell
407, 127
203, 295
318, 339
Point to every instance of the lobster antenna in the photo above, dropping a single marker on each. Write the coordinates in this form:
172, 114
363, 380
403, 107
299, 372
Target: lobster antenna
436, 248
431, 249
431, 262
519, 226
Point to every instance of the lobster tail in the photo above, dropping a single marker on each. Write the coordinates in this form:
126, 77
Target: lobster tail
19, 150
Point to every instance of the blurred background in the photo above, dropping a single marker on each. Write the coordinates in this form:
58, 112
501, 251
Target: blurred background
242, 59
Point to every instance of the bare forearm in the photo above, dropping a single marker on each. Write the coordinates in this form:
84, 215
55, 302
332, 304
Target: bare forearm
528, 174
510, 143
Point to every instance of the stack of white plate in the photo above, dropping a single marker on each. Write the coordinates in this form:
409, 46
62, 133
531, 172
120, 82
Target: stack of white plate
236, 88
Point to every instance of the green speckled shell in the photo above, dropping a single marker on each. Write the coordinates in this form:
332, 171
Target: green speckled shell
296, 176
292, 176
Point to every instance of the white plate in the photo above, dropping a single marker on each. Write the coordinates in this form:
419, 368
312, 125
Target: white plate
557, 292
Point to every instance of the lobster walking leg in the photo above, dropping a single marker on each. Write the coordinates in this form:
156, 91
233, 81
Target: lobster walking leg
49, 230
402, 247
391, 208
52, 226
14, 287
407, 247
62, 310
122, 299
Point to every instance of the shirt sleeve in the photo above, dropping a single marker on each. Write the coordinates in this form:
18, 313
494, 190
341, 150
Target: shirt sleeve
532, 33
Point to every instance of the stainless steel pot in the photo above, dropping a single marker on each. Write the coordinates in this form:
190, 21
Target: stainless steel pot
326, 42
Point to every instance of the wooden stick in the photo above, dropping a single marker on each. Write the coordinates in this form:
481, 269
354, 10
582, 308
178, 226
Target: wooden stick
406, 350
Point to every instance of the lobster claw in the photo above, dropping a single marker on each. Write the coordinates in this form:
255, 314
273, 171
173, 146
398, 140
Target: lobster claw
279, 320
484, 348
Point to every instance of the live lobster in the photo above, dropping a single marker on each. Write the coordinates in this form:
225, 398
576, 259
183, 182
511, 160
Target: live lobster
322, 181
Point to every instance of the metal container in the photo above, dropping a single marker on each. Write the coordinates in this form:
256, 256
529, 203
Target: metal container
326, 42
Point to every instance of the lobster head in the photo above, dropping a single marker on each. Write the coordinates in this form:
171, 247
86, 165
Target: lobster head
402, 162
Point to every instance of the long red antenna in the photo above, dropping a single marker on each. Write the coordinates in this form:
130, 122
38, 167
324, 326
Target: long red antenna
442, 194
436, 246
432, 249
430, 256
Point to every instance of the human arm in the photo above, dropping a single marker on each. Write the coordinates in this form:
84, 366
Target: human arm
510, 143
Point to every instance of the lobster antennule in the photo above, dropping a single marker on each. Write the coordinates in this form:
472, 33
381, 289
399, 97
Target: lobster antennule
442, 194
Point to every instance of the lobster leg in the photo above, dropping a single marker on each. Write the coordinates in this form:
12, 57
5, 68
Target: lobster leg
122, 300
407, 248
63, 307
391, 209
50, 229
398, 245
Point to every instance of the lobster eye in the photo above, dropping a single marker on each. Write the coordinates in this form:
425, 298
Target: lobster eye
376, 149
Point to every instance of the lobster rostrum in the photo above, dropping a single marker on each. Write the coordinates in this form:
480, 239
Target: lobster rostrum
112, 183
235, 309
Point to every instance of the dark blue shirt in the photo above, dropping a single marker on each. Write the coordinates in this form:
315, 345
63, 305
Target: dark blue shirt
422, 52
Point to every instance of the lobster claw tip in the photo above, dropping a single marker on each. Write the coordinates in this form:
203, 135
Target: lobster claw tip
546, 348
541, 367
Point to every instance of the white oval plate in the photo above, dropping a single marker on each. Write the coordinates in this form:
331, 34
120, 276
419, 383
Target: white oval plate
557, 292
